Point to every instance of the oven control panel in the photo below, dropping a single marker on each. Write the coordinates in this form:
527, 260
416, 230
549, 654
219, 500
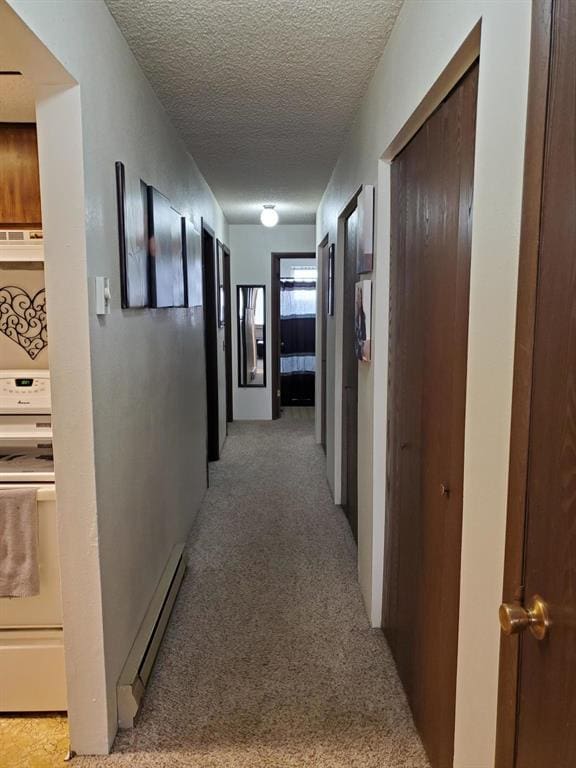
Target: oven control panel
25, 392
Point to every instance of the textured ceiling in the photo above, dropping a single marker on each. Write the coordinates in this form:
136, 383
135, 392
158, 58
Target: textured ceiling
262, 92
17, 103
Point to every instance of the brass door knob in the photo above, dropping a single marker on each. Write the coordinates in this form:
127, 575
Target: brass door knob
515, 618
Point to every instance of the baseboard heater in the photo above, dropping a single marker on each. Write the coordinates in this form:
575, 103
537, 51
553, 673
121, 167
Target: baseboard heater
138, 667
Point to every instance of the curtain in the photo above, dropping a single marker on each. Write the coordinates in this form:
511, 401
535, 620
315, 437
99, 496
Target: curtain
297, 299
297, 335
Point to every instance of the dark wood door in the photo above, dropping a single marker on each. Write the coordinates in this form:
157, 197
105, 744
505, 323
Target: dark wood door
275, 335
546, 727
211, 341
228, 333
324, 309
350, 375
432, 185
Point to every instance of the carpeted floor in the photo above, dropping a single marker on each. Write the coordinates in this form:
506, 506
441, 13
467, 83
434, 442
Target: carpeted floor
269, 660
297, 412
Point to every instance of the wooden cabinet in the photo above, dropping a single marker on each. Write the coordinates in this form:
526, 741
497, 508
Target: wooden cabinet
19, 177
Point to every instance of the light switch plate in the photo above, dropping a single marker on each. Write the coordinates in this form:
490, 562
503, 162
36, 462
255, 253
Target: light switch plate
103, 295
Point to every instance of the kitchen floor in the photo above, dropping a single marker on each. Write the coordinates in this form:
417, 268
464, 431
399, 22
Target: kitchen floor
39, 741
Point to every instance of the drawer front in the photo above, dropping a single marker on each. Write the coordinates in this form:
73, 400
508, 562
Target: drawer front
32, 672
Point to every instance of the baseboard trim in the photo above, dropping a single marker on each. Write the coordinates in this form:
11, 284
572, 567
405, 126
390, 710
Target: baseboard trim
138, 667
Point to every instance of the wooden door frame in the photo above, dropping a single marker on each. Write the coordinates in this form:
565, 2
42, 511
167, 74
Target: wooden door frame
275, 321
323, 309
210, 340
228, 330
541, 40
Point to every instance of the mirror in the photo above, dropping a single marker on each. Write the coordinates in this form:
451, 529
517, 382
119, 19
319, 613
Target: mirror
251, 304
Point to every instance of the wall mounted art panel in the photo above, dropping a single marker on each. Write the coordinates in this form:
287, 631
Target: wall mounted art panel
132, 202
166, 270
331, 252
220, 277
178, 260
192, 243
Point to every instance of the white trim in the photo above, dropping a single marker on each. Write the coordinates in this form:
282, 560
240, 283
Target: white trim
138, 667
339, 493
380, 330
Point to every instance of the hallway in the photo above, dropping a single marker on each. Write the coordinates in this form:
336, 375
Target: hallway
269, 659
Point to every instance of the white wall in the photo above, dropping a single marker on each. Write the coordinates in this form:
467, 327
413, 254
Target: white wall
251, 249
129, 392
287, 265
425, 38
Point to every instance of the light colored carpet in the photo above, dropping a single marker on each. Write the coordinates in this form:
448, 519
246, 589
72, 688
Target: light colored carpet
269, 660
297, 412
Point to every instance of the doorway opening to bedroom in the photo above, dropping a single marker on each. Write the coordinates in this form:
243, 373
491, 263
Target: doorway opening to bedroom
294, 278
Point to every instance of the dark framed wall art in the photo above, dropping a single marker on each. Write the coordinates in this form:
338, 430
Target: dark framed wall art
178, 260
331, 253
192, 248
220, 283
132, 205
165, 251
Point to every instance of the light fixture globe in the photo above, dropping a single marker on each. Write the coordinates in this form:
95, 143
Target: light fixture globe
269, 217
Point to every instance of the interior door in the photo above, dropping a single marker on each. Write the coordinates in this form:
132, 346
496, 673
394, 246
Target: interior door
228, 333
210, 341
546, 692
275, 328
432, 185
350, 375
324, 310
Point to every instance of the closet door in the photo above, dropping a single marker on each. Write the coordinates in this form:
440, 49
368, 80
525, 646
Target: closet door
432, 183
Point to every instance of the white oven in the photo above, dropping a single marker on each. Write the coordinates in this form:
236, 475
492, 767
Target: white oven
31, 636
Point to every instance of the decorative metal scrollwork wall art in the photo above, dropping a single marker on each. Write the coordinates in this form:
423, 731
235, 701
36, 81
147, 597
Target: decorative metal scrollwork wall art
23, 318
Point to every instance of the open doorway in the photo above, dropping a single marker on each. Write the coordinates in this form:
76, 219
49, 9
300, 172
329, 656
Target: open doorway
294, 279
34, 694
32, 669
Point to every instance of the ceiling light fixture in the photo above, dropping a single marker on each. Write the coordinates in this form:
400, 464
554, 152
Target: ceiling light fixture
269, 217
